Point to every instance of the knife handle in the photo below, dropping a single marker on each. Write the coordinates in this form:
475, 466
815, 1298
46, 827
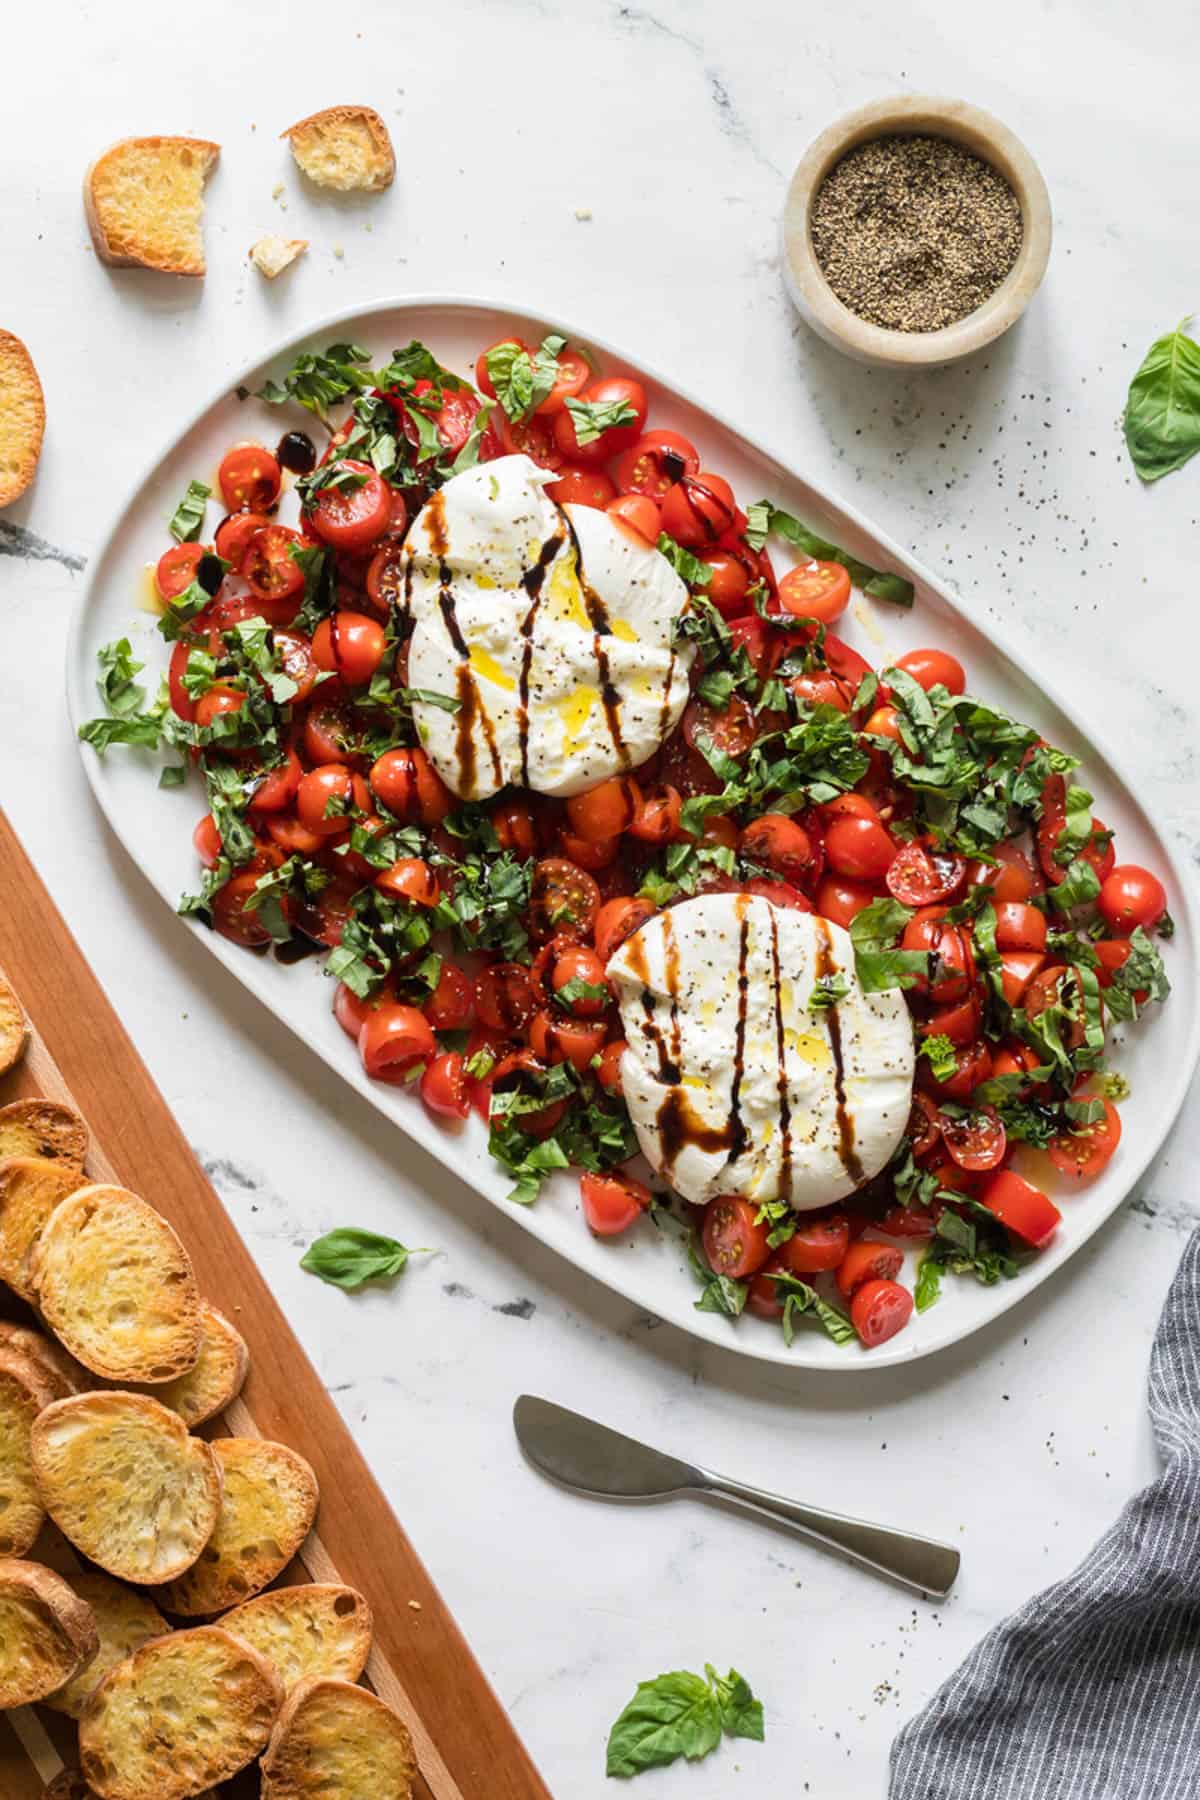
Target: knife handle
918, 1562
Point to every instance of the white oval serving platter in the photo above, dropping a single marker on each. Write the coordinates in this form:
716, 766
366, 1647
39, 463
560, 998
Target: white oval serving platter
1158, 1054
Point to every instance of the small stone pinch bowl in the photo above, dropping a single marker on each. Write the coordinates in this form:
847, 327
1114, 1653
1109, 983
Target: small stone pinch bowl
915, 115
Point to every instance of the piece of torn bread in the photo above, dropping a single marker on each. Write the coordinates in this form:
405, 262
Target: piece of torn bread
144, 199
181, 1714
116, 1286
122, 1479
315, 1629
30, 1189
24, 1393
47, 1633
344, 147
271, 255
43, 1128
335, 1738
268, 1504
126, 1618
22, 428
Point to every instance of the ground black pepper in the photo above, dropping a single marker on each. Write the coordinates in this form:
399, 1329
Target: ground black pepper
913, 233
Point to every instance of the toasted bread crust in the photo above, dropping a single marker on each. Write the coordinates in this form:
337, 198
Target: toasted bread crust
124, 1482
30, 1189
24, 1393
217, 1376
124, 244
62, 1373
14, 1032
315, 1629
125, 1619
269, 1502
335, 1738
71, 1784
22, 428
116, 1285
47, 1633
372, 163
222, 1699
43, 1128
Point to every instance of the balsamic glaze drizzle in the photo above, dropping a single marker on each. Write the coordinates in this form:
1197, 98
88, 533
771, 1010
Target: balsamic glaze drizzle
825, 966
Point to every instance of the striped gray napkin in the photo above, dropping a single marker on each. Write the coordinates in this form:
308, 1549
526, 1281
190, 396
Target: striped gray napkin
1092, 1690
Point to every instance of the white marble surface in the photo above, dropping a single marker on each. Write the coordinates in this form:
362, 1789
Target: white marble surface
677, 126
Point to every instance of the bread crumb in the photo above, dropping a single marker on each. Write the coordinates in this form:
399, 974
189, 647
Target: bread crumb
416, 1605
271, 255
338, 251
277, 190
583, 212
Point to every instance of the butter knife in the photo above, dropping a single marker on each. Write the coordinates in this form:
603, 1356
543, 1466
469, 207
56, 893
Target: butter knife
592, 1459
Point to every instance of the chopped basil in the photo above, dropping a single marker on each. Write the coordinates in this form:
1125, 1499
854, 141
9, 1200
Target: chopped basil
686, 565
188, 517
577, 989
318, 379
1142, 973
875, 933
941, 1055
763, 519
798, 1298
521, 379
828, 990
592, 418
1162, 413
173, 776
719, 1293
681, 1714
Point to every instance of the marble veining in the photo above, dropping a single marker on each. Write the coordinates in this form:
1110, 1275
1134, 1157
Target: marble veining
674, 125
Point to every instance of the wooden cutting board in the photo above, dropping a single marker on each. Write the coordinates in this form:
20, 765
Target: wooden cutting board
420, 1663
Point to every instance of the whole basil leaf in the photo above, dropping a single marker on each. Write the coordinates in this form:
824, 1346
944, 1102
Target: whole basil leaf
349, 1257
1162, 413
674, 1715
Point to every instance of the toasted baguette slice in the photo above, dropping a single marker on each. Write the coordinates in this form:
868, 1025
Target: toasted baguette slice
344, 147
321, 1629
22, 427
144, 199
217, 1377
268, 1504
178, 1715
47, 1633
271, 255
116, 1285
125, 1619
333, 1738
14, 1033
24, 1393
122, 1479
71, 1784
30, 1189
63, 1374
42, 1128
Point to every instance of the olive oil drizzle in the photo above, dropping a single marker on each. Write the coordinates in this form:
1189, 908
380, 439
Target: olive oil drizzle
785, 1099
848, 1155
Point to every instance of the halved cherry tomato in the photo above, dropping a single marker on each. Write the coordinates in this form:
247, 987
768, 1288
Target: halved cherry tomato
951, 964
731, 729
513, 823
840, 901
734, 1243
331, 785
907, 1222
608, 1070
698, 510
533, 438
1011, 877
960, 1021
393, 1038
233, 915
385, 574
278, 786
934, 668
815, 590
657, 818
1083, 1152
350, 518
234, 534
1021, 1208
1097, 848
778, 892
879, 1310
1019, 927
638, 515
728, 582
176, 568
206, 840
655, 463
1112, 954
483, 380
521, 1071
454, 422
972, 1065
352, 1012
924, 1124
451, 1005
349, 645
592, 854
555, 1037
823, 688
573, 376
817, 1243
605, 810
216, 703
576, 485
563, 898
884, 722
445, 1085
764, 1298
579, 964
275, 578
505, 998
867, 1261
776, 840
1053, 987
249, 478
406, 782
918, 876
1131, 896
182, 704
292, 837
1017, 969
617, 920
613, 390
293, 653
762, 645
1014, 1058
612, 1203
845, 661
330, 733
976, 1140
410, 878
859, 848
